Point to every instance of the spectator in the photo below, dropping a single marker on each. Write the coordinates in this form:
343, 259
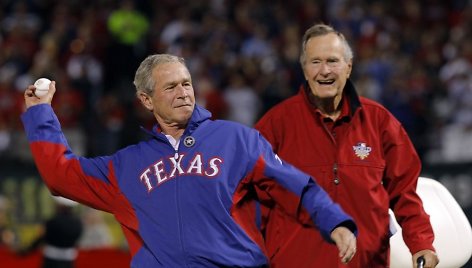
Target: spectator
128, 28
356, 150
59, 236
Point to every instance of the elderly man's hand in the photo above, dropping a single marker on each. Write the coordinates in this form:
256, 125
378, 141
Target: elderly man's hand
430, 258
346, 243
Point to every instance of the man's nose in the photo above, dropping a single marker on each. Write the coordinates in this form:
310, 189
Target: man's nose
182, 91
325, 68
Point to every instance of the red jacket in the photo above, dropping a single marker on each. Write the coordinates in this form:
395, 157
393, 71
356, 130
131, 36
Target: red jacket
368, 166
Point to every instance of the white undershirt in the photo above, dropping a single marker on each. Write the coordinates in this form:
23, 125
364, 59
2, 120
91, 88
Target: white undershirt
175, 143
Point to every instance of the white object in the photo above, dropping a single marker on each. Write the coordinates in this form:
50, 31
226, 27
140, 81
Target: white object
452, 230
42, 86
64, 201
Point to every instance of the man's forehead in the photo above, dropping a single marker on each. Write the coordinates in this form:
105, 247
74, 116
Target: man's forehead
317, 46
168, 73
169, 69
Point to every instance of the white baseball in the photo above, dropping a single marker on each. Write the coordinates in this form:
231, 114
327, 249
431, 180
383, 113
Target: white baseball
42, 86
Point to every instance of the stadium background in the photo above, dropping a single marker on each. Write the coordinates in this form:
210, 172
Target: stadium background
415, 57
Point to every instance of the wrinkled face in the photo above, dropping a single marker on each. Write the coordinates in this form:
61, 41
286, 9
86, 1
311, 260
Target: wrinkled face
173, 99
326, 68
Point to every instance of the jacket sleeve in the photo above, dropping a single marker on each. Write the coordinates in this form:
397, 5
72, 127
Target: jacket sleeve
295, 192
81, 179
400, 179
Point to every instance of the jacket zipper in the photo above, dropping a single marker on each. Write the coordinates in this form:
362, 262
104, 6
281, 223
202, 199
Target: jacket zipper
336, 180
179, 212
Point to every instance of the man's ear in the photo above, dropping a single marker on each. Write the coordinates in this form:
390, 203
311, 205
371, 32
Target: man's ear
349, 64
146, 100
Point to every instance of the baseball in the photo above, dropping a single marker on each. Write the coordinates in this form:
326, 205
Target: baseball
42, 86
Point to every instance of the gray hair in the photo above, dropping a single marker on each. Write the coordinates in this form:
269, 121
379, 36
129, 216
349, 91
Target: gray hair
320, 30
143, 79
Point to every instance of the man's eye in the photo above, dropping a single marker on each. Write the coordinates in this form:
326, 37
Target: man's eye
333, 63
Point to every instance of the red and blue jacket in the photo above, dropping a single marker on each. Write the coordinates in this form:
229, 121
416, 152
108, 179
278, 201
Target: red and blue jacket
191, 207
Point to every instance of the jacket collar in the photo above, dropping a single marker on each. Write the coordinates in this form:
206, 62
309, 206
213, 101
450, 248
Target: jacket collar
349, 92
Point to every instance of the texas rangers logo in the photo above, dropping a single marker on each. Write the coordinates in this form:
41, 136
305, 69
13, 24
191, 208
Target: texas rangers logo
189, 141
362, 150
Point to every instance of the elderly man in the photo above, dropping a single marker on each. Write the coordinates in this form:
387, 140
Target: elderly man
357, 151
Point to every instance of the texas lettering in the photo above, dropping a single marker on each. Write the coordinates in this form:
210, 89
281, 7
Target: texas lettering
159, 172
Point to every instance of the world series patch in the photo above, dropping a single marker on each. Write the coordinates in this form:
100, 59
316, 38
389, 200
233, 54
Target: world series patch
362, 150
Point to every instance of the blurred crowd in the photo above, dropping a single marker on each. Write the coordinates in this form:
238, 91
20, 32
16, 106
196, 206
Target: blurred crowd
68, 224
413, 56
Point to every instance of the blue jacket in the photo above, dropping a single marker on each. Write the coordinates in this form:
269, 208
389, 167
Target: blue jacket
191, 207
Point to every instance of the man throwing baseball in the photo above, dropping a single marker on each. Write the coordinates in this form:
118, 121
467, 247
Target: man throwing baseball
188, 196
